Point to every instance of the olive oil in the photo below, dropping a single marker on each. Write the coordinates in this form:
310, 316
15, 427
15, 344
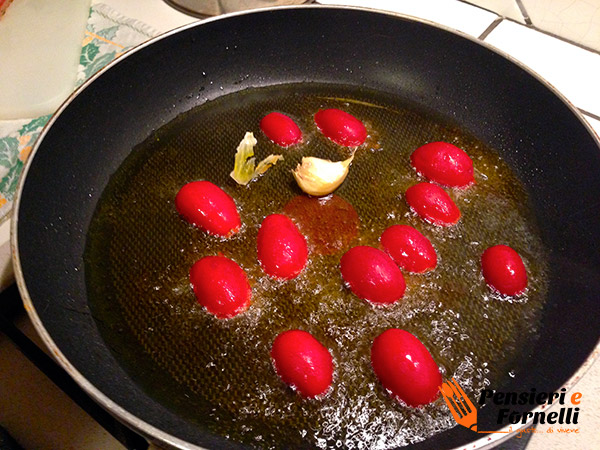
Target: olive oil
218, 373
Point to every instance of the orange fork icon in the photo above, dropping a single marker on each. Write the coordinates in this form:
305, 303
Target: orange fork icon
463, 410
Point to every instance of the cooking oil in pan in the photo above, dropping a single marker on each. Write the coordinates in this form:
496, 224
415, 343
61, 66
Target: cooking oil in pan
218, 373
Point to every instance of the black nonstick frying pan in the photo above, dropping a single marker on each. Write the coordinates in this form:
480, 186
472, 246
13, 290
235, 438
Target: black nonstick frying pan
536, 132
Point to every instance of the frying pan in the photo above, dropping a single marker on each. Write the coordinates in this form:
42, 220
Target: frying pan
541, 136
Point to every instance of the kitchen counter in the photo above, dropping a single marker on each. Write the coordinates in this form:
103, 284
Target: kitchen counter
40, 416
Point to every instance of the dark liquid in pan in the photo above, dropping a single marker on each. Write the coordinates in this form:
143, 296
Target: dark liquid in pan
219, 373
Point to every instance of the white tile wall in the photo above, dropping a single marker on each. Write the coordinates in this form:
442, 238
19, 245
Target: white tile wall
576, 20
504, 8
452, 13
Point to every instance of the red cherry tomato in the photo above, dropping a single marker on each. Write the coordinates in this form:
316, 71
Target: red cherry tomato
372, 275
221, 286
208, 207
280, 129
503, 269
341, 127
443, 163
409, 248
405, 367
282, 250
432, 204
303, 362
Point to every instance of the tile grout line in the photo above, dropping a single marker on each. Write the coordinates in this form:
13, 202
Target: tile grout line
563, 39
590, 114
538, 30
528, 24
524, 13
490, 28
555, 36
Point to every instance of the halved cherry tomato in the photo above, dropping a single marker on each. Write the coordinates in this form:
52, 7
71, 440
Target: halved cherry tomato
280, 129
341, 127
221, 286
372, 275
409, 248
433, 204
208, 207
303, 362
282, 250
503, 269
443, 163
405, 367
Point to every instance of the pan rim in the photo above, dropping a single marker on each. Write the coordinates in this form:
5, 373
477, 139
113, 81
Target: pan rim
149, 431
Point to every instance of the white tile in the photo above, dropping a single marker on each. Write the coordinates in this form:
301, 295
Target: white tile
571, 69
452, 13
576, 20
505, 8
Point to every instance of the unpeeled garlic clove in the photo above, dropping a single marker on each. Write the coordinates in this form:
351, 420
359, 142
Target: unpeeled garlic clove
319, 177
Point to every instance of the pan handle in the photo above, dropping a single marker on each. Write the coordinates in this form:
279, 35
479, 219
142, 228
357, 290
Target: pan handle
11, 306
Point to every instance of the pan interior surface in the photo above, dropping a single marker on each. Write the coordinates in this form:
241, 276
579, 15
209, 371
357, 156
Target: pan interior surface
218, 373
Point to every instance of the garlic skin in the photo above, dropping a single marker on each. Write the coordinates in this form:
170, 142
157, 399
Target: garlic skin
319, 177
245, 169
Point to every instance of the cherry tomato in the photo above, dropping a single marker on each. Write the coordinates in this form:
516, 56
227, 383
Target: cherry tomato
405, 367
282, 250
341, 127
221, 286
409, 249
443, 163
209, 208
303, 362
280, 129
372, 275
503, 269
432, 204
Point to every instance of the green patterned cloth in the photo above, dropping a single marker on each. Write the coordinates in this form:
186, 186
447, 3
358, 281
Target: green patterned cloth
108, 35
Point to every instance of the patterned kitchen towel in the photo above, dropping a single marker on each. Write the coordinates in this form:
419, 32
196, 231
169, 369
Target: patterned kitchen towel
108, 35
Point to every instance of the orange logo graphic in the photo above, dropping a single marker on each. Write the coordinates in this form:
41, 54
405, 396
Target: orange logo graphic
463, 410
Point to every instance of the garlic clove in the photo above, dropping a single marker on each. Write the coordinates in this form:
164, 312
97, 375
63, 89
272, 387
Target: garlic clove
319, 177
